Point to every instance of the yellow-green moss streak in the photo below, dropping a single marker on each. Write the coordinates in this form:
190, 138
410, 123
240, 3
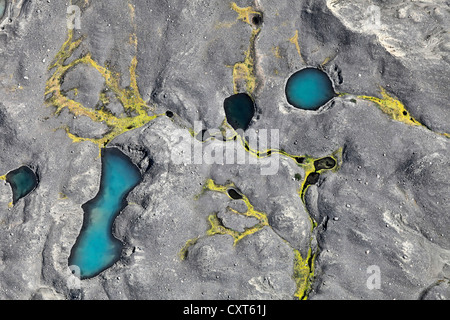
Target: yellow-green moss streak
303, 273
245, 14
216, 225
295, 41
62, 196
3, 178
395, 109
303, 269
244, 72
309, 168
135, 109
306, 162
183, 252
260, 154
392, 107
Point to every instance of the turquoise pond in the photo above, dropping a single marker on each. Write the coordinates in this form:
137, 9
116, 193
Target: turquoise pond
309, 89
2, 7
96, 249
22, 181
239, 110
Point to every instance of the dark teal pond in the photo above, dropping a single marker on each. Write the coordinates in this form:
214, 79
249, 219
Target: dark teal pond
22, 182
309, 89
96, 249
239, 110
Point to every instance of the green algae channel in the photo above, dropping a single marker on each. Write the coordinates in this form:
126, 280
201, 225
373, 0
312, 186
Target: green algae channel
96, 249
22, 181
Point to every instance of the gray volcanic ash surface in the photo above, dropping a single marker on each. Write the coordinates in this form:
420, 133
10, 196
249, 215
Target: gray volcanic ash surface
351, 201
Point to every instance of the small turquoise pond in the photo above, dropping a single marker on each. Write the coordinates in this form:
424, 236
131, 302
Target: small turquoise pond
96, 249
309, 89
239, 110
2, 7
22, 181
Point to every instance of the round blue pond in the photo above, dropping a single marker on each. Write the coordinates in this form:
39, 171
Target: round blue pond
309, 89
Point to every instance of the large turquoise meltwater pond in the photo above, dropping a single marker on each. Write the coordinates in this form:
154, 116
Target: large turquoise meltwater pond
96, 249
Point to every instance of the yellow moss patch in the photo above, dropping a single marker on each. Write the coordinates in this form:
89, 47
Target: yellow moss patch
62, 196
303, 273
309, 168
224, 24
295, 40
303, 269
217, 227
136, 110
276, 52
244, 72
260, 154
132, 12
396, 110
245, 14
251, 212
393, 108
183, 252
3, 178
133, 38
